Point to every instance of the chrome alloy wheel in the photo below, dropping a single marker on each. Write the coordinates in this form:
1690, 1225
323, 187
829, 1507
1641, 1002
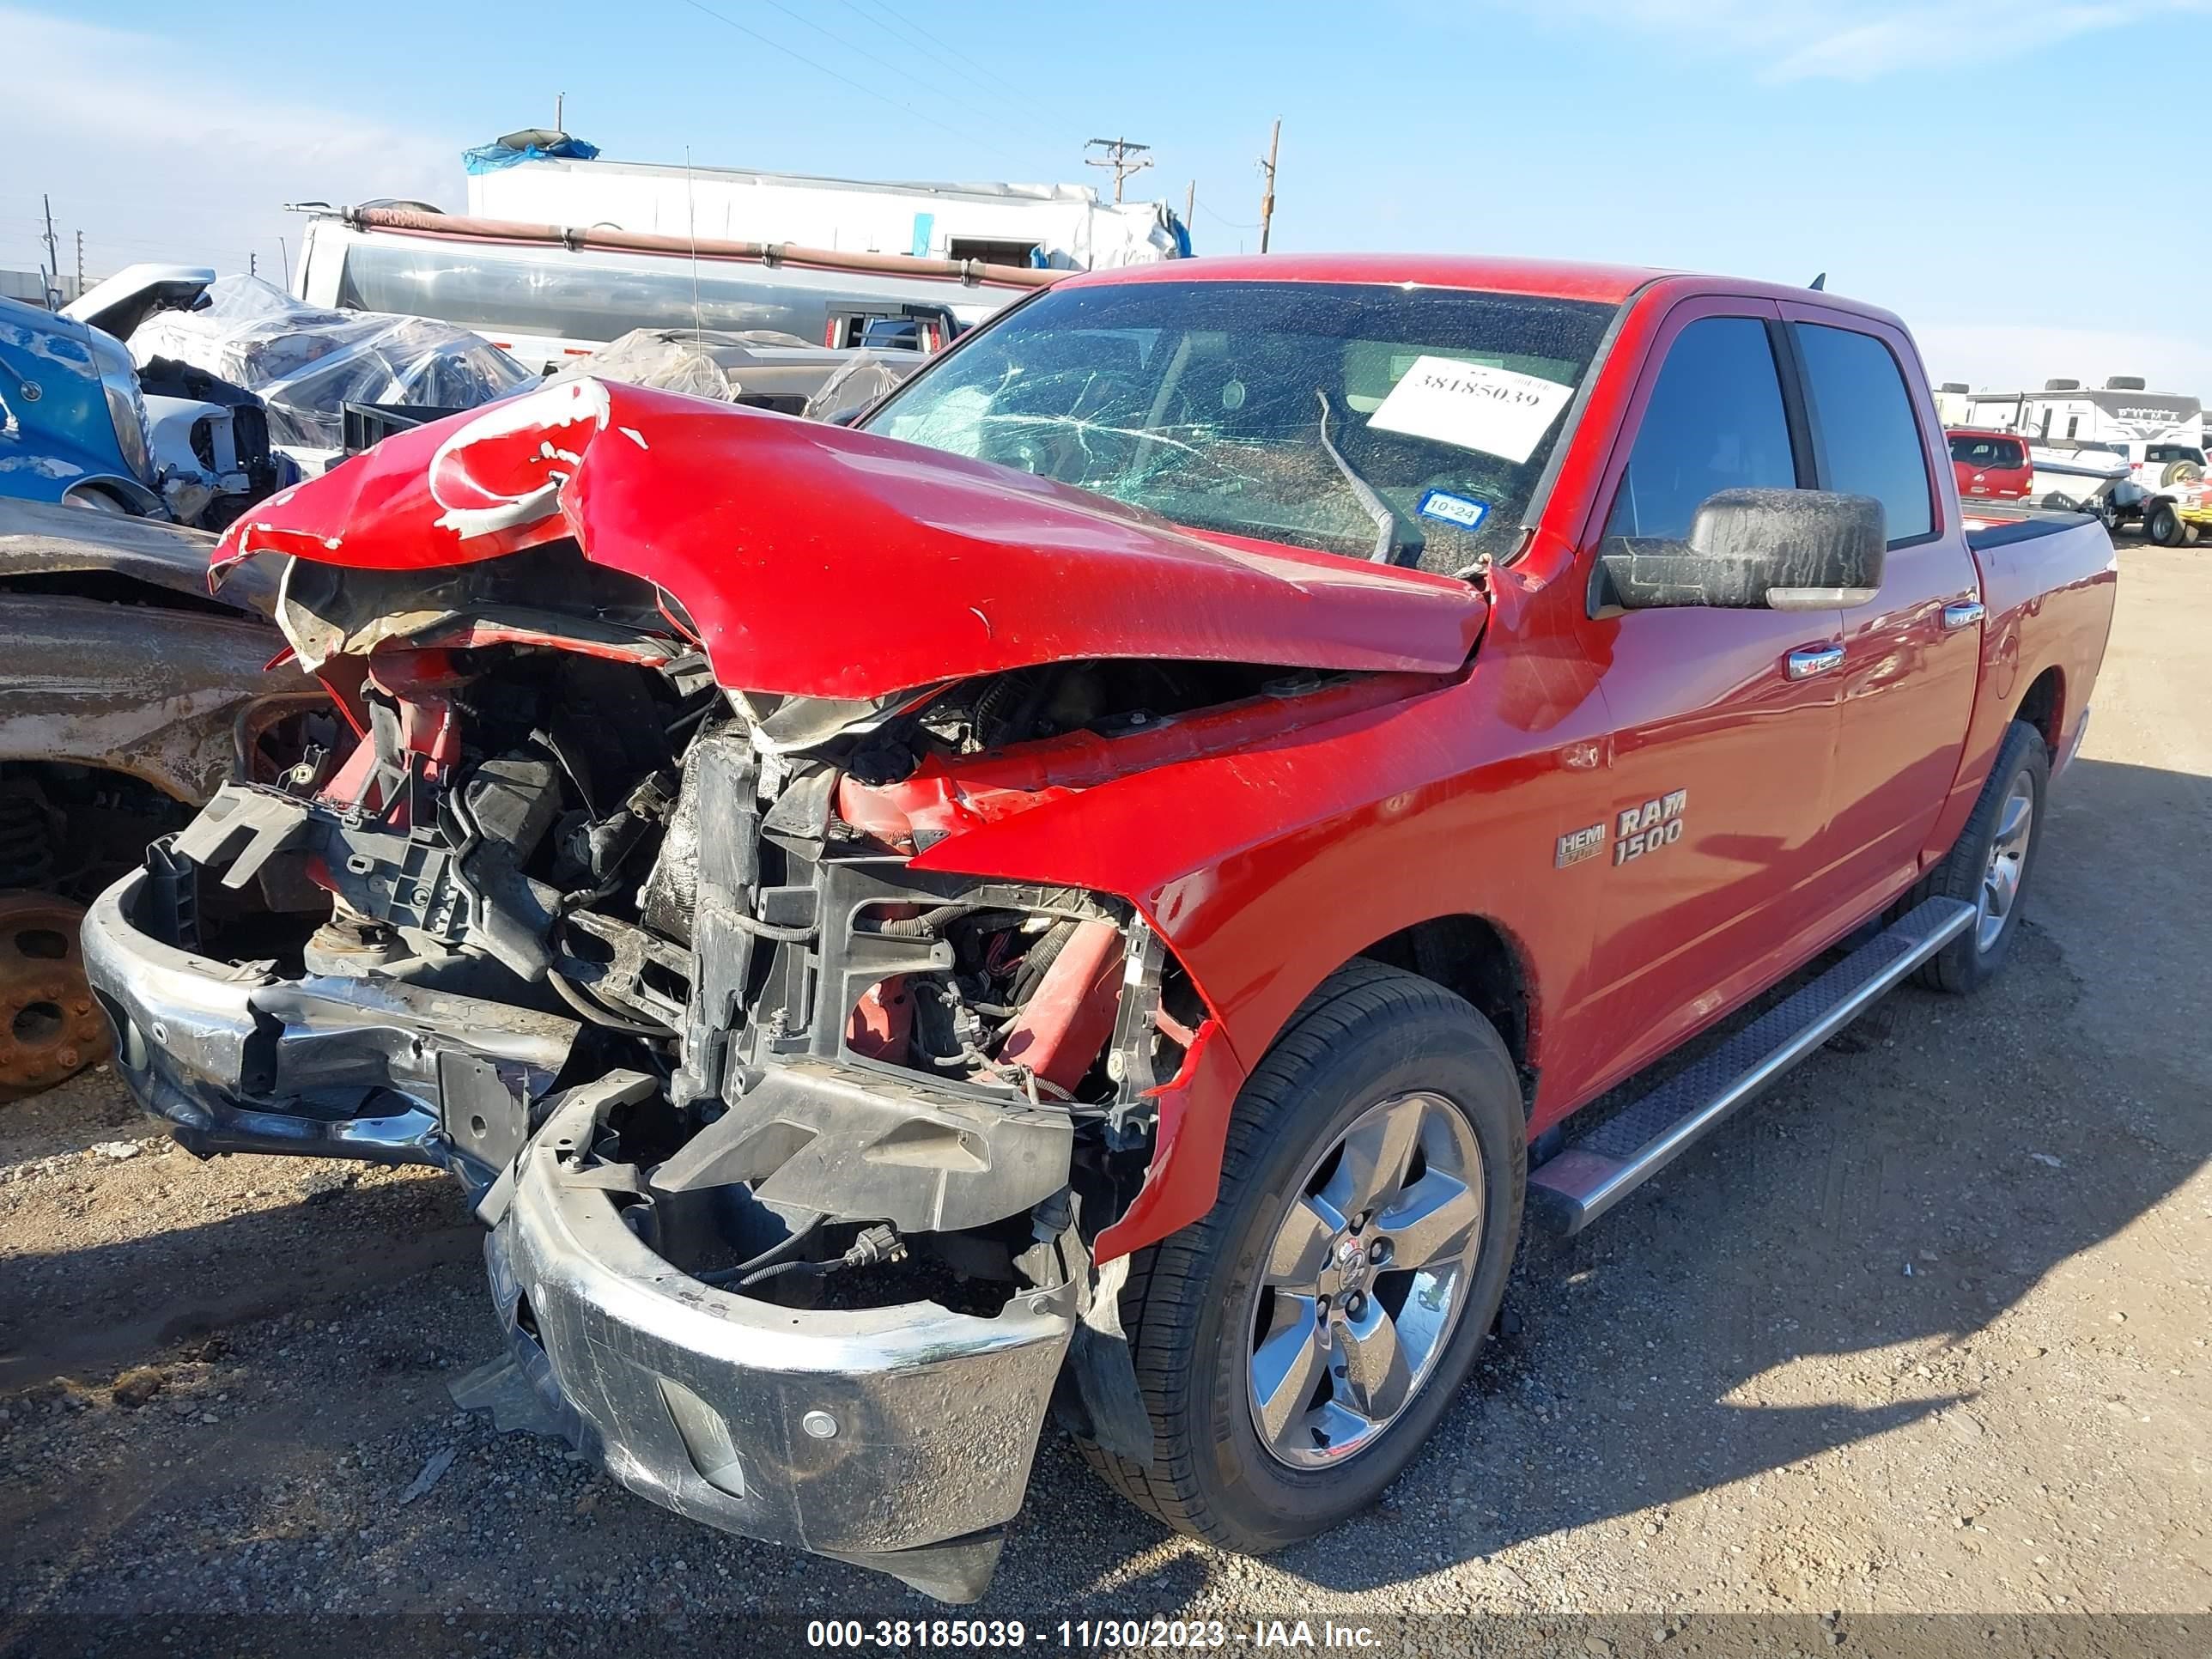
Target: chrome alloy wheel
1365, 1281
2008, 864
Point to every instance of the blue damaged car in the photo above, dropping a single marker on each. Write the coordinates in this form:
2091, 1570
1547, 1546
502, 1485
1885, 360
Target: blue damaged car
73, 424
84, 421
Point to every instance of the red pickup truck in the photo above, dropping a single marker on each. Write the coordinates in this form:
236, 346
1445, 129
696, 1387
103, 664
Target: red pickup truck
1103, 887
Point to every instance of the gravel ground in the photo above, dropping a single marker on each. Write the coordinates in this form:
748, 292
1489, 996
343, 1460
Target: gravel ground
1925, 1333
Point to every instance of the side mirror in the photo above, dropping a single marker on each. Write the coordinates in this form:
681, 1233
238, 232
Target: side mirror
1754, 550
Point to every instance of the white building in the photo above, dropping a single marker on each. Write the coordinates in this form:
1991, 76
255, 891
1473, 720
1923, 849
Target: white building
30, 286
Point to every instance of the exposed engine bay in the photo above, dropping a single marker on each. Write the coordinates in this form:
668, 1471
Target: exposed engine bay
741, 876
871, 1083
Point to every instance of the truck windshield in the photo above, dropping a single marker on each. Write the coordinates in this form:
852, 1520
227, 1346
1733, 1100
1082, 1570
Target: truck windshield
1408, 424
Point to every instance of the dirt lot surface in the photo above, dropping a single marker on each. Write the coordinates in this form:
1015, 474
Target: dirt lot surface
1924, 1331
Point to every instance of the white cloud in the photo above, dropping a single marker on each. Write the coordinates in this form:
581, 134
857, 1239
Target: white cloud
1836, 39
1991, 358
158, 148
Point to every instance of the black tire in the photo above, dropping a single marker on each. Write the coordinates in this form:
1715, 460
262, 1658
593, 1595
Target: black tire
1966, 964
2162, 524
1368, 1033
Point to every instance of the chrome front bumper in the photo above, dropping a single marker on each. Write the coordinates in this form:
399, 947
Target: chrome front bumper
238, 1059
897, 1437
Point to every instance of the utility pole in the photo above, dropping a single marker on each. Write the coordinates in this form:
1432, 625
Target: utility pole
53, 251
1118, 152
1268, 192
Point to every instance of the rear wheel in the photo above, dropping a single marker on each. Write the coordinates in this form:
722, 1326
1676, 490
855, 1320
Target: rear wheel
1297, 1345
1990, 865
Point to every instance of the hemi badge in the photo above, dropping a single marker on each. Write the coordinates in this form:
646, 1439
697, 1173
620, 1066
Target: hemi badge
1580, 845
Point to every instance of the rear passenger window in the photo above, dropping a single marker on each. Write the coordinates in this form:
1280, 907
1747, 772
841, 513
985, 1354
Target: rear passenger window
1714, 423
1864, 427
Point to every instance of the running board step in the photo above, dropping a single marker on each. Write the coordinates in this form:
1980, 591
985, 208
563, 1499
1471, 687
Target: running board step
1579, 1184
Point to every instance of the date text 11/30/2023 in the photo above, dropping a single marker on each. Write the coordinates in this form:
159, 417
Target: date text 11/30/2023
1108, 1634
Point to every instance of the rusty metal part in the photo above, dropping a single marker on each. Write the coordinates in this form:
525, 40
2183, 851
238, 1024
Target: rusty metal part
27, 826
456, 227
49, 1026
162, 695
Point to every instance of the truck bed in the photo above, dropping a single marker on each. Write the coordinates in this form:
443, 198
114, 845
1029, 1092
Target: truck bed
2004, 524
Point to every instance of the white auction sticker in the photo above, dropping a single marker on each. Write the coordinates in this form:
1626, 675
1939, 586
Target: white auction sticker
1497, 411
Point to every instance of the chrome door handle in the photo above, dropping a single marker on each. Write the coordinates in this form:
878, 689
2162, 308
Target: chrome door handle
1964, 614
1810, 659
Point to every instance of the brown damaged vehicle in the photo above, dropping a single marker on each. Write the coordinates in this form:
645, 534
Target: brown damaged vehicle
128, 696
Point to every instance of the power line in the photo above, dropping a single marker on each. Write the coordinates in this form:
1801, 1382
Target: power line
834, 40
921, 37
842, 80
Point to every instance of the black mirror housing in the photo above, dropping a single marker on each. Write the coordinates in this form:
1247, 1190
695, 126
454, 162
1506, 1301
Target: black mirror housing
1754, 550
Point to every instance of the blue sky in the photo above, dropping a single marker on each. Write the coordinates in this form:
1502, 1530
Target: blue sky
2023, 182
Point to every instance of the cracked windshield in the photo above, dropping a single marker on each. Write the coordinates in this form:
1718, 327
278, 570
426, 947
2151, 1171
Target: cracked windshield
1403, 425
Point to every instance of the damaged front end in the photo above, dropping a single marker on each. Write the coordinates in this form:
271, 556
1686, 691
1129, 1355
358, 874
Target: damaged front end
794, 1239
800, 1149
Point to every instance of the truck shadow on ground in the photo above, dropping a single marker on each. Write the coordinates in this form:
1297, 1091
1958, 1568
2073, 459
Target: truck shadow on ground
87, 1314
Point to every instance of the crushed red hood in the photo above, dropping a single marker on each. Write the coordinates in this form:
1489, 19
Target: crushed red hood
819, 562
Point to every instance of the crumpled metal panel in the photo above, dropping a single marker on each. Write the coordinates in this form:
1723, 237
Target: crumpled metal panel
157, 694
41, 538
856, 1432
820, 562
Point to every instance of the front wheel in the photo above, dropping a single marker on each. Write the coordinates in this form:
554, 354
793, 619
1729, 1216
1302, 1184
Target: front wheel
1296, 1345
2162, 524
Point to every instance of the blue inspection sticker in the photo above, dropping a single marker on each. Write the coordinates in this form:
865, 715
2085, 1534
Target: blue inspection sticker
1462, 510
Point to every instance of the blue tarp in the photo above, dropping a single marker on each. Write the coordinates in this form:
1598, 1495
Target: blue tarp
490, 158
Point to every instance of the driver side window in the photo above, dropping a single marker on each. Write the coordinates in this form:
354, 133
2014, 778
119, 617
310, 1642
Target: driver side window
1715, 421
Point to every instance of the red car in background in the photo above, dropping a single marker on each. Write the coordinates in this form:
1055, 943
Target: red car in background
1990, 466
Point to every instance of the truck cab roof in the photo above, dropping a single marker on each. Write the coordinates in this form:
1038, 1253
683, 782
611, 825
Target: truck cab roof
1551, 279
